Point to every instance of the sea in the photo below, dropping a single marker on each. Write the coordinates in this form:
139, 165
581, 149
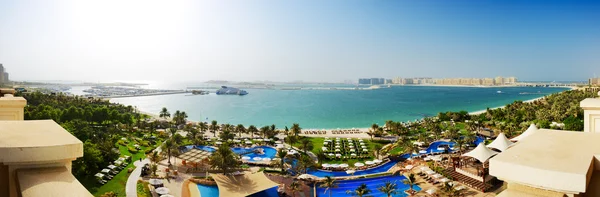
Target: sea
334, 108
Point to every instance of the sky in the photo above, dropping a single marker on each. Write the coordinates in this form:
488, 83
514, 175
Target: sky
308, 40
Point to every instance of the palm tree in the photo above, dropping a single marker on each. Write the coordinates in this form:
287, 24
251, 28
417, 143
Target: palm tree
252, 129
389, 188
282, 153
329, 183
169, 144
176, 117
264, 130
360, 191
450, 191
192, 134
240, 129
411, 181
203, 127
377, 148
224, 158
164, 113
154, 157
172, 131
295, 187
306, 144
296, 129
214, 126
153, 168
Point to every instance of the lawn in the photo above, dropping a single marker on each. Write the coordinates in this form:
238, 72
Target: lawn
318, 143
117, 184
142, 189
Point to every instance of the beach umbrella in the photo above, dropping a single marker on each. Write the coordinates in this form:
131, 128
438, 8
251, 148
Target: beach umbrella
429, 172
362, 143
155, 181
377, 161
121, 159
365, 150
335, 165
237, 141
431, 191
351, 146
99, 175
363, 146
218, 143
325, 143
337, 150
344, 165
118, 163
337, 138
348, 138
324, 148
352, 150
162, 190
369, 162
257, 158
325, 165
278, 142
124, 139
422, 152
248, 142
352, 154
338, 155
246, 158
360, 140
409, 167
105, 171
112, 167
267, 139
350, 171
260, 140
167, 195
437, 176
266, 159
441, 149
337, 146
331, 154
444, 180
358, 164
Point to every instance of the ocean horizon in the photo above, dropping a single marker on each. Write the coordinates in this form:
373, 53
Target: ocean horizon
330, 109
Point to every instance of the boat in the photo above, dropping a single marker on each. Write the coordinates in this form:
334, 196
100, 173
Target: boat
230, 91
499, 92
199, 92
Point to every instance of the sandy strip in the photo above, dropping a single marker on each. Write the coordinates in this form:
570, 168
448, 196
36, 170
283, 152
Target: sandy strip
500, 107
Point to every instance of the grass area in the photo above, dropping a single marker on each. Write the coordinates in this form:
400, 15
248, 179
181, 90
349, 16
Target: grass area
396, 150
142, 189
117, 184
318, 143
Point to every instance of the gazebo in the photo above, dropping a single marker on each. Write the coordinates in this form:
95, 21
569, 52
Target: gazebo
531, 130
194, 155
501, 143
472, 168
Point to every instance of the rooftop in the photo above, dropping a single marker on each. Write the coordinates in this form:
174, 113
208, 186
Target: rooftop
553, 159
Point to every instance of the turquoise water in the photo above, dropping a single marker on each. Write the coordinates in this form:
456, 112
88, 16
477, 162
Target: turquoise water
334, 108
269, 152
211, 191
372, 184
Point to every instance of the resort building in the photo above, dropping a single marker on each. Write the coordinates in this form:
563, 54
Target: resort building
35, 156
545, 162
594, 81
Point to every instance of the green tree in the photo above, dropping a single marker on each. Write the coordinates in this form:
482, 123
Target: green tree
164, 113
252, 129
389, 188
214, 127
411, 181
306, 145
295, 187
328, 183
574, 124
296, 129
360, 191
240, 129
224, 159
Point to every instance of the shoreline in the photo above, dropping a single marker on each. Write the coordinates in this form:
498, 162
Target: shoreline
362, 129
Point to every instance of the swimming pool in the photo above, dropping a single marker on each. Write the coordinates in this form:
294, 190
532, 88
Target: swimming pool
382, 168
479, 140
269, 152
372, 184
212, 190
433, 148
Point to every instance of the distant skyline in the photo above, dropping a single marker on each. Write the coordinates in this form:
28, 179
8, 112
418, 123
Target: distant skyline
318, 41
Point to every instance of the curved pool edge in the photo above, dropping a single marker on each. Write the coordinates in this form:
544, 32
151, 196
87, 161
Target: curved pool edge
193, 188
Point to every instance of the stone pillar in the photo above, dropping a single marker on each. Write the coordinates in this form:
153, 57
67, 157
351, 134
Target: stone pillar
11, 108
591, 121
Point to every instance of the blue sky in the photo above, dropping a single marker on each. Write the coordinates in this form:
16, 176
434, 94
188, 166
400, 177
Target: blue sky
327, 41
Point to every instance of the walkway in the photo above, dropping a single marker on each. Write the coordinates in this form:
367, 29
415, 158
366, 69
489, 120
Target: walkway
131, 187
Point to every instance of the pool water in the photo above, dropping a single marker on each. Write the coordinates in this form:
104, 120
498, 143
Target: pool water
382, 168
213, 191
270, 152
479, 140
372, 184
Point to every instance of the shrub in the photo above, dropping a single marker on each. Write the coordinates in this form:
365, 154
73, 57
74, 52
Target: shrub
122, 143
144, 143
